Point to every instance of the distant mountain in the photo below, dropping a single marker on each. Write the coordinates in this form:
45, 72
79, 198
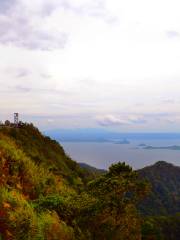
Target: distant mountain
103, 135
124, 141
93, 170
165, 197
142, 145
174, 147
77, 135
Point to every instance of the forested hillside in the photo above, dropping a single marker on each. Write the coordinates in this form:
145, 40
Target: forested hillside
161, 208
165, 195
46, 195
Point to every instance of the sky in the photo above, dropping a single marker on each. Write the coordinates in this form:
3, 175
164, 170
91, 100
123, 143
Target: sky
91, 63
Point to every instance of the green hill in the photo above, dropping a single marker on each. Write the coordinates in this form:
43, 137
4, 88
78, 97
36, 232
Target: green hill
165, 196
161, 208
45, 195
43, 151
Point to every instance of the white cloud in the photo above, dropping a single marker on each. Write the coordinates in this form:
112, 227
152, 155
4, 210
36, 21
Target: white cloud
22, 27
107, 56
111, 120
172, 34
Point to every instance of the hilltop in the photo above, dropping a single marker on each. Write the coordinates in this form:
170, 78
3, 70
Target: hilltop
45, 151
46, 195
165, 196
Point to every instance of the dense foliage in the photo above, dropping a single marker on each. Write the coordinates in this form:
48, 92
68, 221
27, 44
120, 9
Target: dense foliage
46, 195
165, 195
161, 228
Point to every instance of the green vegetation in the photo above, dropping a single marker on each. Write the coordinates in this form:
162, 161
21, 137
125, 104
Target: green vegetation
161, 208
164, 198
161, 228
46, 195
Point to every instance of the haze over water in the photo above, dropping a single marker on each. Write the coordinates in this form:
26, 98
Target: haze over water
102, 155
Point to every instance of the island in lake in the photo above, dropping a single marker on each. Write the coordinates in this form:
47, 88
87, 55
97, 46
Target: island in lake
142, 145
124, 141
174, 147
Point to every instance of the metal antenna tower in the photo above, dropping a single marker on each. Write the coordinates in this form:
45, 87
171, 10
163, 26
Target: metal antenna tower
16, 119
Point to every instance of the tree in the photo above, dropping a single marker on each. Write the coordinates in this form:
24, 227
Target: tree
113, 215
7, 123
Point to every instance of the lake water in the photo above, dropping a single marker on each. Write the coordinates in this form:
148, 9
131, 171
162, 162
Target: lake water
102, 155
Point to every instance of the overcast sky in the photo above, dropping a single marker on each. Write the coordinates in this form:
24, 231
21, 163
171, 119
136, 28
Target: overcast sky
91, 63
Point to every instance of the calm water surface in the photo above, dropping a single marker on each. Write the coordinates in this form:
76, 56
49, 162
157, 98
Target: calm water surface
102, 155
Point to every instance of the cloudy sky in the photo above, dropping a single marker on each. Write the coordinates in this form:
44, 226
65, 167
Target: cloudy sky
91, 63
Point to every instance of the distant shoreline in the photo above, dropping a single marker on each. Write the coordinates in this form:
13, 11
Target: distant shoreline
175, 148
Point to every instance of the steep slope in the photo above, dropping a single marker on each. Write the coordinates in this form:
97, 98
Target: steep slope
45, 151
165, 197
38, 185
22, 183
44, 194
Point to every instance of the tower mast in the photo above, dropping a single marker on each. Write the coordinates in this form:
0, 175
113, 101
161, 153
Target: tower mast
16, 119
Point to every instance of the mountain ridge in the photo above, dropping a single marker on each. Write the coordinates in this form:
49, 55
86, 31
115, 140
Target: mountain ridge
103, 135
46, 195
165, 196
